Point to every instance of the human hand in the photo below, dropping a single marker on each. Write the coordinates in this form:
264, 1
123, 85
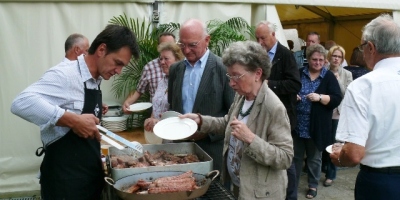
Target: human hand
104, 108
298, 98
192, 116
85, 126
125, 107
149, 123
313, 97
336, 149
241, 131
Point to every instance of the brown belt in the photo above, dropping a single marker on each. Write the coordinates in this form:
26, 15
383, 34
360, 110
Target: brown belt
384, 170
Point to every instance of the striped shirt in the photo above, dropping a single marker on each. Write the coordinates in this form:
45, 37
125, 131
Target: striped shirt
60, 89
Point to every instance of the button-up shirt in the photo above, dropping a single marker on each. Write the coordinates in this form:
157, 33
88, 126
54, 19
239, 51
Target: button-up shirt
370, 114
191, 82
59, 90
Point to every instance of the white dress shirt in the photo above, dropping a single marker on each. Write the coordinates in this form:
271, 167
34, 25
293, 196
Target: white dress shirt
60, 89
370, 114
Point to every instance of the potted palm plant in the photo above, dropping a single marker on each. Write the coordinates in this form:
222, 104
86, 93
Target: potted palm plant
222, 34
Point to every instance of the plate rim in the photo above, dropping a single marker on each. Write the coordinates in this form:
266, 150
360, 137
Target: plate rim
192, 124
329, 148
147, 105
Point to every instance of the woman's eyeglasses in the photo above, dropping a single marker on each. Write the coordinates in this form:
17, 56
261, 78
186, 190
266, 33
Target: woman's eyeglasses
235, 78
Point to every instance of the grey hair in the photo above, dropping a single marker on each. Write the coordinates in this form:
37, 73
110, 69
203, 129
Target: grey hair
271, 27
72, 40
384, 33
315, 48
250, 54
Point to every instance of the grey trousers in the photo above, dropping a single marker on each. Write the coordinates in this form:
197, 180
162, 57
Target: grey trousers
314, 161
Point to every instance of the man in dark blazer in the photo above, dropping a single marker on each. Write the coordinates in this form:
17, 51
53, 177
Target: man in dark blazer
199, 84
284, 81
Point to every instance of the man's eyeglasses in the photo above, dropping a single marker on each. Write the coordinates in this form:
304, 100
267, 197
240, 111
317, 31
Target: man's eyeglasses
235, 78
360, 47
190, 45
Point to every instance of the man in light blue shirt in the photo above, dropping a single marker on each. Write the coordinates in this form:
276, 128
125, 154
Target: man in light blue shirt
199, 84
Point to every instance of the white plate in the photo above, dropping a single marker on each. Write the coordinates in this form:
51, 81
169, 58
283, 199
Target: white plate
169, 114
329, 148
114, 119
175, 128
138, 107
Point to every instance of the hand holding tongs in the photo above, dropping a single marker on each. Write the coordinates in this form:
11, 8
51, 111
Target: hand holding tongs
133, 145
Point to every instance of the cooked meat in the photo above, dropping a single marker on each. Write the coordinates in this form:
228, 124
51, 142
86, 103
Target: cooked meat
187, 174
182, 182
191, 158
160, 158
186, 182
149, 158
171, 157
158, 190
134, 188
144, 185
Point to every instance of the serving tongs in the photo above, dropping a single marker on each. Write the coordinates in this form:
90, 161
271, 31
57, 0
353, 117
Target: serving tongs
136, 146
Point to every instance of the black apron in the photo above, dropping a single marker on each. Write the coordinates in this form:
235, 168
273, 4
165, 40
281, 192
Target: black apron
72, 167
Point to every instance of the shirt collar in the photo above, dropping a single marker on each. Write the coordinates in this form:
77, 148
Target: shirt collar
202, 60
273, 49
84, 69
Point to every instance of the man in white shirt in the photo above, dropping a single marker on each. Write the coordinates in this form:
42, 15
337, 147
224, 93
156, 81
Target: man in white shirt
370, 114
66, 104
75, 45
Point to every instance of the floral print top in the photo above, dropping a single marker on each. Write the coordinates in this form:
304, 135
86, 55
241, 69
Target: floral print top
304, 105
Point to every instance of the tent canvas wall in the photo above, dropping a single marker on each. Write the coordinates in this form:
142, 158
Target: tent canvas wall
32, 39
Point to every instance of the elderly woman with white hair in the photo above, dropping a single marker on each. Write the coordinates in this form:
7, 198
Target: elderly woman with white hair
258, 144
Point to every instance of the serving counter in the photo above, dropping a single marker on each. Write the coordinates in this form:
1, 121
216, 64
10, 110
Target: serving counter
215, 191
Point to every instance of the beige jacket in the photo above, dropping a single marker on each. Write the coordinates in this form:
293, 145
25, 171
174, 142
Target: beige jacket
345, 78
265, 160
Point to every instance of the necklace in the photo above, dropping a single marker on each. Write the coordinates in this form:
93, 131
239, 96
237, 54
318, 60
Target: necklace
248, 110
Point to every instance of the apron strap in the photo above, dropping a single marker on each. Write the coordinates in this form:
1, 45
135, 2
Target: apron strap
40, 151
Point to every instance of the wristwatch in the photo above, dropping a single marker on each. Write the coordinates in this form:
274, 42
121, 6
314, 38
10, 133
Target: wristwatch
320, 97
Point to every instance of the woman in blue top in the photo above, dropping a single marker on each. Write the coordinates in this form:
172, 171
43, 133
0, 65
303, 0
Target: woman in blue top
319, 95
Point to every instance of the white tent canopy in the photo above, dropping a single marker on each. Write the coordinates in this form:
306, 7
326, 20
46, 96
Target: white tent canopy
32, 40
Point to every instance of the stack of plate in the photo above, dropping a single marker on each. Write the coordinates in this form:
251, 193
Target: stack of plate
114, 124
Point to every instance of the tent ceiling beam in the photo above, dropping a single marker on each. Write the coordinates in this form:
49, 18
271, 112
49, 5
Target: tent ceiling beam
323, 14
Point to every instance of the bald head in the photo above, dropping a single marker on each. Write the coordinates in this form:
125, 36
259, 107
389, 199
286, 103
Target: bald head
193, 40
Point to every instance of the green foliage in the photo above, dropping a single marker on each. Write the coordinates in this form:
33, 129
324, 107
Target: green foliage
222, 34
147, 40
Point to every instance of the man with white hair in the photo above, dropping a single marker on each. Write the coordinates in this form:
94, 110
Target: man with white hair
370, 114
198, 84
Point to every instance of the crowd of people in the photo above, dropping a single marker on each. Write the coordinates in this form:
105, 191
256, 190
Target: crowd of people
265, 114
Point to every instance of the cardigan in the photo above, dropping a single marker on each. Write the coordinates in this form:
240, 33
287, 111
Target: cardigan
321, 115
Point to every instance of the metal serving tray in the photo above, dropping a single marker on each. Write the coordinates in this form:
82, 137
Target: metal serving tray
202, 167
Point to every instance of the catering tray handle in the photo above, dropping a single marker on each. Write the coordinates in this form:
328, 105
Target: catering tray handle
211, 173
109, 180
